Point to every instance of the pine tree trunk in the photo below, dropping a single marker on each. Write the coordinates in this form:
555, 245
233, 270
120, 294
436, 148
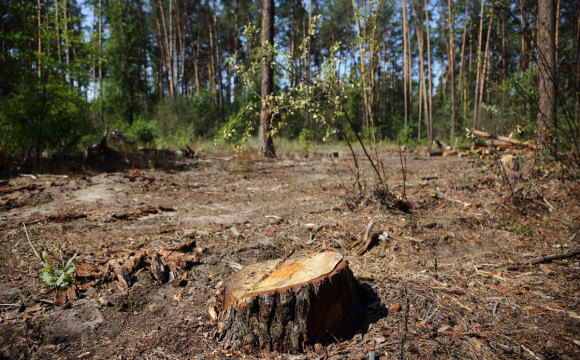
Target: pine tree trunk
211, 68
265, 144
38, 61
475, 106
101, 115
462, 86
484, 69
430, 123
547, 71
167, 49
218, 63
406, 69
451, 65
65, 33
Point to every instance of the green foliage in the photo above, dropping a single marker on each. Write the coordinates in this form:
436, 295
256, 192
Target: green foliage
59, 277
305, 137
143, 132
41, 117
405, 135
88, 140
516, 226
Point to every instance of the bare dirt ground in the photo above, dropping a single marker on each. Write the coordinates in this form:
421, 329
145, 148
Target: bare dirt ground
435, 286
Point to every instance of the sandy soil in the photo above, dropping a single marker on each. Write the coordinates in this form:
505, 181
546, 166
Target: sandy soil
434, 286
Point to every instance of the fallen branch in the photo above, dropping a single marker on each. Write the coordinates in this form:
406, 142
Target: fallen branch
8, 190
504, 139
360, 240
545, 259
57, 218
368, 238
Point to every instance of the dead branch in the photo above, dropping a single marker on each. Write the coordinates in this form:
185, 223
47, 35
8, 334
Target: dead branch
545, 259
505, 139
368, 238
32, 246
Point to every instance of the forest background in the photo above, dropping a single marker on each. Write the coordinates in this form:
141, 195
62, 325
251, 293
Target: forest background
167, 72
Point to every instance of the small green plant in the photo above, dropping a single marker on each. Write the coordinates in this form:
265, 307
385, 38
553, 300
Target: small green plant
143, 132
516, 226
61, 276
305, 137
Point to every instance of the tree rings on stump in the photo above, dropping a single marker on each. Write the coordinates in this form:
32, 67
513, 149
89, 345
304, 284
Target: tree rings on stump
285, 304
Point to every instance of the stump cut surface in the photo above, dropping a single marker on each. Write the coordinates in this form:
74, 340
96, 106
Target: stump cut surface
283, 305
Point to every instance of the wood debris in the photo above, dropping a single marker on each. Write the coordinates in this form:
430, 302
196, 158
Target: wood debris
160, 262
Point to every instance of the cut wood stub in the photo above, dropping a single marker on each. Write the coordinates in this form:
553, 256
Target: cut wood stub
284, 305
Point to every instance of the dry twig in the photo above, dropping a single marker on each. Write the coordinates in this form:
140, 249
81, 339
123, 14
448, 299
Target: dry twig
545, 259
32, 246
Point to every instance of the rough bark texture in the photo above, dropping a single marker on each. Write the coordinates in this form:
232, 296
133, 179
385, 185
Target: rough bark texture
289, 318
266, 145
546, 69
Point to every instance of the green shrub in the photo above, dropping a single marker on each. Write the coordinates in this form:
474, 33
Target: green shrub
42, 117
143, 132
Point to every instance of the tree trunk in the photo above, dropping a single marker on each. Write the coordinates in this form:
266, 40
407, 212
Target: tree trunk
406, 69
422, 86
38, 62
522, 62
547, 71
451, 65
101, 115
65, 33
475, 106
462, 60
211, 68
444, 78
266, 145
484, 67
282, 305
430, 124
57, 28
167, 49
218, 63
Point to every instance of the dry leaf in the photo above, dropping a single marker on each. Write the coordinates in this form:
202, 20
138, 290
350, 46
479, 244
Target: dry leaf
394, 308
36, 307
177, 296
443, 329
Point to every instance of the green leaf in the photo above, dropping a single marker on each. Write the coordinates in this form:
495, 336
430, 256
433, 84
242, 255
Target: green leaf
47, 278
70, 261
59, 280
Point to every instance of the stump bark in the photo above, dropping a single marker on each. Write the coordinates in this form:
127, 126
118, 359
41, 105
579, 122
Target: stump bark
286, 304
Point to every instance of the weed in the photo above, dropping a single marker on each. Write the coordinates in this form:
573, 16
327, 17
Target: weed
60, 276
515, 226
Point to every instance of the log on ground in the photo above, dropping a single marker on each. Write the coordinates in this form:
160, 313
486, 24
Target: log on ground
286, 305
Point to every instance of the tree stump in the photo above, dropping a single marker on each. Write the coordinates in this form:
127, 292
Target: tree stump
283, 305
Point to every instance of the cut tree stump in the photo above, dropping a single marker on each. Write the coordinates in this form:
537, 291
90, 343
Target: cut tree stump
286, 304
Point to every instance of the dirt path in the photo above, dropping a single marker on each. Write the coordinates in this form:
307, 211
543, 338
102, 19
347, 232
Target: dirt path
447, 260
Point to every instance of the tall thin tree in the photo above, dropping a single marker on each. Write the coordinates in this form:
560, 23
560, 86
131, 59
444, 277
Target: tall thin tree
265, 143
